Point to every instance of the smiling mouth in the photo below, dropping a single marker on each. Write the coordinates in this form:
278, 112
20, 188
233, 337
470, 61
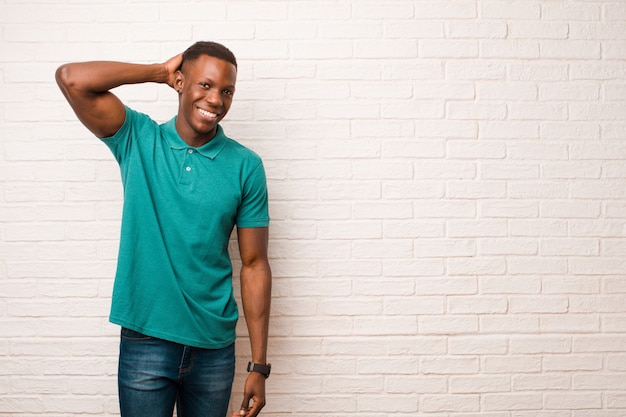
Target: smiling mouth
207, 114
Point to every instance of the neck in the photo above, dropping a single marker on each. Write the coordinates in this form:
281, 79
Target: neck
192, 138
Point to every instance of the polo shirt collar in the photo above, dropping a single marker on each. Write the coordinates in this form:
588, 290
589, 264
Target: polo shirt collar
210, 149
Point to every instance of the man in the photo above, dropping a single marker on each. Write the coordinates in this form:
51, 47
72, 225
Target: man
186, 185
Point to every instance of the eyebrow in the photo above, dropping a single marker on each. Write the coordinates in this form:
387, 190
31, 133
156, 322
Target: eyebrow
204, 77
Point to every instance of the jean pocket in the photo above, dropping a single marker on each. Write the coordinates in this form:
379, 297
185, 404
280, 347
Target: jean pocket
132, 335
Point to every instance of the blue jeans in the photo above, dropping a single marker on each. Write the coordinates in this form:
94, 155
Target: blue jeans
155, 375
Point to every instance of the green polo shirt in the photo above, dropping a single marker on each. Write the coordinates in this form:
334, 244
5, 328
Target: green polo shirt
174, 273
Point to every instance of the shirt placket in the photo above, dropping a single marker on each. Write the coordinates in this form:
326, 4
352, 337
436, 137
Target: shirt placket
187, 168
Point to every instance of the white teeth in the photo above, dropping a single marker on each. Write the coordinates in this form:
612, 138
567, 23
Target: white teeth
207, 113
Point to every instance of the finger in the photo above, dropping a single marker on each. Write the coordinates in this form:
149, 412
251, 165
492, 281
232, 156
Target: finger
245, 406
256, 408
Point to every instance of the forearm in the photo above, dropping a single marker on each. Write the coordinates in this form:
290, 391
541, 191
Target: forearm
98, 77
256, 290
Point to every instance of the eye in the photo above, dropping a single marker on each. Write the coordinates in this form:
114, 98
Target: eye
227, 92
205, 85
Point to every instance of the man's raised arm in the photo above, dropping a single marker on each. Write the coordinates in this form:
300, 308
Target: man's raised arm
87, 85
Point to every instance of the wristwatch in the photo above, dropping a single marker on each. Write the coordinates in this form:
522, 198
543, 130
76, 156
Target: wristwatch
262, 369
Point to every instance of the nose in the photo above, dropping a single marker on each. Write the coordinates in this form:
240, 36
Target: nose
213, 97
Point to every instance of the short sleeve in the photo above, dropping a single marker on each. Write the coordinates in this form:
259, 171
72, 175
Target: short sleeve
135, 125
253, 211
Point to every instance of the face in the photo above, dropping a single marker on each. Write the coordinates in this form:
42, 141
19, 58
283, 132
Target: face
206, 87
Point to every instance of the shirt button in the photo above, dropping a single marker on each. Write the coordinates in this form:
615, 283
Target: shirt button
190, 151
188, 169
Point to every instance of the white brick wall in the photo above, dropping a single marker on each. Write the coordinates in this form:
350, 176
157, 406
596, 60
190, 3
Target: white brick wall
447, 194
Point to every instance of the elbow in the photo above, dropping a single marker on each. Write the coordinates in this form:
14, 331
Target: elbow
63, 77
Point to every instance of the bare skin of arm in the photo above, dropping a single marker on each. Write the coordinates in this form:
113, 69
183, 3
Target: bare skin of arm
87, 85
256, 288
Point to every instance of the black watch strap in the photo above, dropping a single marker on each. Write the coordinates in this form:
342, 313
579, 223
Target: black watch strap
262, 369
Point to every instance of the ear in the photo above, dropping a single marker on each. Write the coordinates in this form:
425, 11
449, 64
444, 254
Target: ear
179, 80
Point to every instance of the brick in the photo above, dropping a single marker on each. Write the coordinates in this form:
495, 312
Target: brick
602, 303
576, 91
508, 49
368, 169
447, 286
391, 287
379, 11
598, 343
566, 170
505, 246
569, 362
497, 90
433, 248
339, 30
320, 50
538, 305
397, 403
479, 228
385, 49
432, 325
536, 111
573, 323
480, 384
570, 285
413, 229
342, 268
408, 29
441, 129
357, 385
397, 248
511, 363
598, 381
509, 171
484, 266
509, 130
476, 70
475, 150
567, 209
569, 49
449, 10
387, 326
542, 381
449, 365
403, 384
419, 305
448, 48
476, 29
410, 70
514, 401
569, 247
412, 268
499, 324
409, 108
476, 190
398, 190
475, 111
438, 90
538, 30
508, 209
455, 403
510, 285
574, 401
509, 9
574, 12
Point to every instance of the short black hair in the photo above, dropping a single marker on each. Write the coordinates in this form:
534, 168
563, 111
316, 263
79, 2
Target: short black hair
214, 49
